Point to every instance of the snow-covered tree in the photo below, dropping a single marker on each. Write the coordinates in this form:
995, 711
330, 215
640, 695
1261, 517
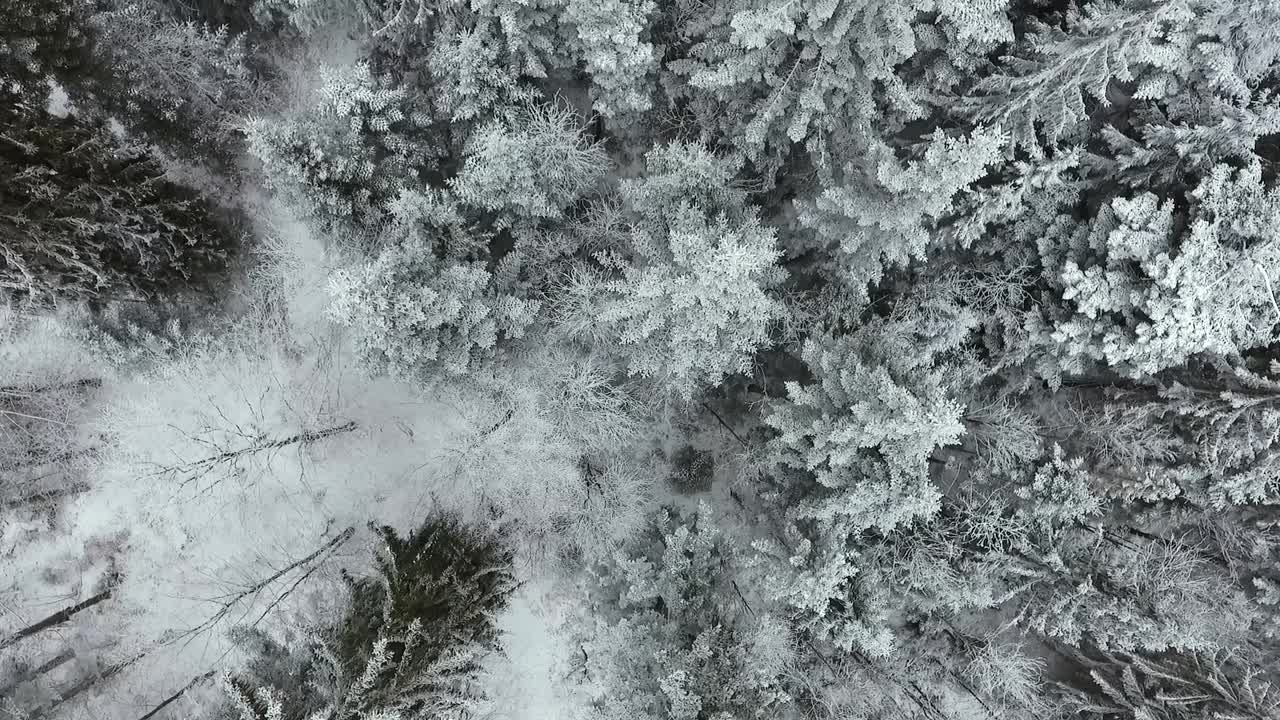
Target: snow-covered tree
531, 164
883, 214
411, 640
472, 74
1233, 414
84, 216
418, 310
179, 84
673, 638
1152, 597
1146, 290
610, 40
47, 387
852, 455
1173, 686
828, 75
40, 39
344, 158
1103, 55
689, 300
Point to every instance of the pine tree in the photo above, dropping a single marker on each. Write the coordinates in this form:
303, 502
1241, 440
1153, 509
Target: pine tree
1233, 415
1153, 596
851, 457
86, 217
473, 74
181, 85
1107, 42
345, 159
1143, 295
882, 214
688, 294
1173, 687
411, 639
422, 309
1126, 55
672, 638
531, 164
827, 75
610, 38
44, 38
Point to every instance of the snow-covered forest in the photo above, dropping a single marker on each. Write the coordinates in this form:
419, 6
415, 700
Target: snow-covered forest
639, 359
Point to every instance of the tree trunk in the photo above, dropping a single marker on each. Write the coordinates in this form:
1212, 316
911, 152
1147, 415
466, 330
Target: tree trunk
55, 619
73, 489
75, 690
303, 438
174, 697
24, 677
229, 604
28, 390
35, 460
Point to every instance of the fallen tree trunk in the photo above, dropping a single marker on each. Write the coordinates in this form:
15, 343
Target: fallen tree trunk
55, 619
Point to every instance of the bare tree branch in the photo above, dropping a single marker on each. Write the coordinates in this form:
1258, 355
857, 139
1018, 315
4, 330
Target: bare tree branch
229, 602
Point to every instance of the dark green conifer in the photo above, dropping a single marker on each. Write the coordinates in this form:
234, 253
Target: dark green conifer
82, 215
411, 641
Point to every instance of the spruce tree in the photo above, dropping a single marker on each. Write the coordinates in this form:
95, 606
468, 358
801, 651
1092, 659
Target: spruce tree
410, 643
39, 38
180, 85
83, 216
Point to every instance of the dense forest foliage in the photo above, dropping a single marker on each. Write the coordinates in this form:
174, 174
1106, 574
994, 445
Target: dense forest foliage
639, 359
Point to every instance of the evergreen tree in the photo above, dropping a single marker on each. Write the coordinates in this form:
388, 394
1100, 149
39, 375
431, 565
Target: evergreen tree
345, 159
472, 74
1173, 687
41, 39
882, 214
422, 308
1143, 296
826, 75
851, 457
181, 85
532, 164
86, 217
688, 299
1234, 416
411, 639
672, 639
611, 40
